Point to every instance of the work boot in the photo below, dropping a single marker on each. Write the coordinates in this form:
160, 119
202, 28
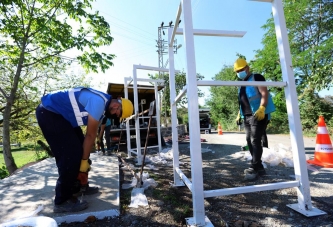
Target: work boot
91, 190
71, 205
252, 174
261, 172
86, 190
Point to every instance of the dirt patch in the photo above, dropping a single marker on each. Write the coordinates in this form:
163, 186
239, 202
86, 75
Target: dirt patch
169, 206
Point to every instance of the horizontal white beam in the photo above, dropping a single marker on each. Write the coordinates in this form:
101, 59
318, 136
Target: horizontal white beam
247, 189
207, 32
152, 68
180, 95
240, 83
142, 148
184, 178
149, 80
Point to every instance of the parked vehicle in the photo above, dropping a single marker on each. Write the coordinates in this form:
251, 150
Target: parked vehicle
205, 124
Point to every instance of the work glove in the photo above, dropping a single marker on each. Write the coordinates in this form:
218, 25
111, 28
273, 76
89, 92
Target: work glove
260, 113
83, 178
85, 166
238, 119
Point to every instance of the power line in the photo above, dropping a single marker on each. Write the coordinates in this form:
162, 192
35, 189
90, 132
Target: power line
120, 26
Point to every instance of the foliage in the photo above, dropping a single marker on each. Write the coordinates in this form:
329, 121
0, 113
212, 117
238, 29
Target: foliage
310, 30
35, 34
311, 107
223, 101
180, 82
3, 172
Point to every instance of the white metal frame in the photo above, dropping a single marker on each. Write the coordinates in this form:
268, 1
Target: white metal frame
127, 84
301, 184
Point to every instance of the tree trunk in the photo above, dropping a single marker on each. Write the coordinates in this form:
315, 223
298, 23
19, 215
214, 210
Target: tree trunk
7, 154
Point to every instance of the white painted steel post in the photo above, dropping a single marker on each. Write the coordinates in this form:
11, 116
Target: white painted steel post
128, 130
193, 113
297, 143
158, 114
172, 84
136, 112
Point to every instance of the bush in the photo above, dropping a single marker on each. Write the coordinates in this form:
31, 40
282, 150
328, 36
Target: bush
3, 172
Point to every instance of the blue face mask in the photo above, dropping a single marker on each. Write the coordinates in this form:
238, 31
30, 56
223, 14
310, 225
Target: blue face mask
241, 75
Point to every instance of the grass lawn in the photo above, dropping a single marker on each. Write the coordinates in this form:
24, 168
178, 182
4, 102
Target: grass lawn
22, 155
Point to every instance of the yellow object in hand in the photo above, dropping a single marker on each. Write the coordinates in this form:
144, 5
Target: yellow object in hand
84, 167
260, 113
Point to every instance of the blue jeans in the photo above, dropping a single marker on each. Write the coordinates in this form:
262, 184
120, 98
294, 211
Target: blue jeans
66, 143
254, 130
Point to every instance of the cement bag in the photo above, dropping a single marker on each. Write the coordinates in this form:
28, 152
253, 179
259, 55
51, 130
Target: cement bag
38, 221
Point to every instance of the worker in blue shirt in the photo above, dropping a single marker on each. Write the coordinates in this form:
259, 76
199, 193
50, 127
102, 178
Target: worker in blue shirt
60, 117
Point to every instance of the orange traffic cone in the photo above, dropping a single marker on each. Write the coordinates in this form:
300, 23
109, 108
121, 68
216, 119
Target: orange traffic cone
323, 151
219, 129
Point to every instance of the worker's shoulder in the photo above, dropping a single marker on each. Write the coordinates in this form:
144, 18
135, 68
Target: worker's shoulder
258, 77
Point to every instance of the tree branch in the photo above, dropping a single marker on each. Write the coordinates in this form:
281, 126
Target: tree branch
4, 93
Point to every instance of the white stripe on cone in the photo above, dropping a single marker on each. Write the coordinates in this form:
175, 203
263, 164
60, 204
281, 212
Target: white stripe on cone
322, 130
324, 148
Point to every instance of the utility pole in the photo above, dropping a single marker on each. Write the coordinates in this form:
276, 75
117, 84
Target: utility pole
162, 46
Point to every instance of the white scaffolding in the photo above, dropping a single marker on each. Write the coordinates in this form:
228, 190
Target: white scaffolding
301, 183
127, 83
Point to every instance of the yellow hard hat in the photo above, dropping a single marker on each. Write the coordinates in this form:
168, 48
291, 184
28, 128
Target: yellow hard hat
239, 64
127, 108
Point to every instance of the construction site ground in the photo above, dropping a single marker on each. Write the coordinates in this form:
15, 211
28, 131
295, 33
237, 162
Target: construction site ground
170, 206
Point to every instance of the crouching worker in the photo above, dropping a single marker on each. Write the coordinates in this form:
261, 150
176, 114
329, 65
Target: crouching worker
60, 116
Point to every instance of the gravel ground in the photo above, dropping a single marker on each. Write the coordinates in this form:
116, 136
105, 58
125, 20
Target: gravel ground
169, 206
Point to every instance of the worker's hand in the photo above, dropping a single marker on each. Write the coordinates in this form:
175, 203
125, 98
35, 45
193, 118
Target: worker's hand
260, 113
238, 119
83, 178
84, 167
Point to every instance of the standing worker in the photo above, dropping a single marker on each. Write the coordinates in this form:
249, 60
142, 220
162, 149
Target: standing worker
104, 129
60, 116
255, 104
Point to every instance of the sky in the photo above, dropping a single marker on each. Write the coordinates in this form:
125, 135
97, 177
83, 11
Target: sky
134, 27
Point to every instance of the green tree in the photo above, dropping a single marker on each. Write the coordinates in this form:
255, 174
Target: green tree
223, 101
310, 30
36, 32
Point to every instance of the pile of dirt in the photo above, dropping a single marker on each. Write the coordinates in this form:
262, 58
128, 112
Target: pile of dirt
169, 206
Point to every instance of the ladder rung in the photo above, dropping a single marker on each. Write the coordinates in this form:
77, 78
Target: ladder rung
240, 83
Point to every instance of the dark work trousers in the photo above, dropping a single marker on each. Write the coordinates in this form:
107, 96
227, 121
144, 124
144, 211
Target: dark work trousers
264, 139
254, 130
107, 137
66, 143
101, 143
